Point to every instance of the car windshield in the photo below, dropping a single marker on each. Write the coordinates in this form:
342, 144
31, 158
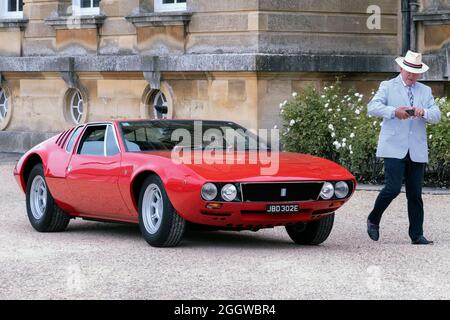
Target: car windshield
165, 135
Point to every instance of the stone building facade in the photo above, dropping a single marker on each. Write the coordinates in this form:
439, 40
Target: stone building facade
64, 62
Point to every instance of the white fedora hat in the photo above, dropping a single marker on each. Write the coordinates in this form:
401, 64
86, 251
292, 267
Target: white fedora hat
412, 62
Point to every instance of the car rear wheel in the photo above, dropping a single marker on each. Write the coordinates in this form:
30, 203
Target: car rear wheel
311, 233
43, 213
160, 224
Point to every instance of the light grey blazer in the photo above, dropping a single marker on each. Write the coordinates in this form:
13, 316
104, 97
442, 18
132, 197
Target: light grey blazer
398, 136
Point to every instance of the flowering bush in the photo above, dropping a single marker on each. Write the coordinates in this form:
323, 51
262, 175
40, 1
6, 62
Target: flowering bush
334, 124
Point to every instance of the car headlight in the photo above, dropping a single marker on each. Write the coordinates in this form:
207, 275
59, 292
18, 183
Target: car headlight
341, 189
229, 192
209, 191
327, 191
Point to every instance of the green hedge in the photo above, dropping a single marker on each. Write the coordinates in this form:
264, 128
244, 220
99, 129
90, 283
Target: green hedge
333, 123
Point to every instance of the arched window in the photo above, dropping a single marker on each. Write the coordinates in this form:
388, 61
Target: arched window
3, 105
76, 107
159, 106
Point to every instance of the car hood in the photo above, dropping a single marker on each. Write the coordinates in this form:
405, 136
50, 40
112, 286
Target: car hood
291, 167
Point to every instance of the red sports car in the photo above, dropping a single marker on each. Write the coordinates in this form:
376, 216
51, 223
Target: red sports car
131, 171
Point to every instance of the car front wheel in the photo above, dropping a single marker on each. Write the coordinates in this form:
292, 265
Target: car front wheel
160, 224
43, 213
311, 233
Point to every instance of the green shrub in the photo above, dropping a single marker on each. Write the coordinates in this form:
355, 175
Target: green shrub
333, 123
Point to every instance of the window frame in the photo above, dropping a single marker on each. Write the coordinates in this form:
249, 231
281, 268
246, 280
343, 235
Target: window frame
71, 106
5, 104
83, 138
153, 103
5, 14
77, 10
167, 7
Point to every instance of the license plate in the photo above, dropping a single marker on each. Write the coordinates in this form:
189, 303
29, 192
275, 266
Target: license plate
282, 208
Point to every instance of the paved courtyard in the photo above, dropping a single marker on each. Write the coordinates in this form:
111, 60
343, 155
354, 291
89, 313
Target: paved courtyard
111, 261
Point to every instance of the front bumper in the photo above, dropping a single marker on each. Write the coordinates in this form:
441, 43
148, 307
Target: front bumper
253, 215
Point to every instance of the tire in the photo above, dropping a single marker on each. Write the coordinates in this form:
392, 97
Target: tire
311, 233
160, 224
43, 213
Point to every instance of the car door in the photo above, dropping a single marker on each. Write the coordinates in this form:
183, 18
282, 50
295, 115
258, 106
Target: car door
93, 174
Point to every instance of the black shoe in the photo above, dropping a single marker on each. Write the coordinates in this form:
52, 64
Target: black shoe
422, 240
373, 230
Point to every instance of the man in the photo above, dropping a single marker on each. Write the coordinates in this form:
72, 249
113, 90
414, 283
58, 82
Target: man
406, 106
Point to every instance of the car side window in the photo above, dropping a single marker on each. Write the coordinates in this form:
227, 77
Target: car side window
111, 143
93, 141
73, 139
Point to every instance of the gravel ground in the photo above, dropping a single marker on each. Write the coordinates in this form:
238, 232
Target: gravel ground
110, 261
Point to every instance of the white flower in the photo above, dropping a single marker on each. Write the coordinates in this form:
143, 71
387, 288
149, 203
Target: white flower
357, 94
281, 106
294, 94
343, 144
375, 123
322, 96
352, 135
338, 110
448, 114
330, 110
292, 122
285, 103
327, 105
333, 135
351, 152
344, 119
332, 87
431, 136
337, 145
282, 111
357, 111
350, 147
344, 140
331, 127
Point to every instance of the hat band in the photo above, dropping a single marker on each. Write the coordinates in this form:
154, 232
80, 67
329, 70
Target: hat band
412, 65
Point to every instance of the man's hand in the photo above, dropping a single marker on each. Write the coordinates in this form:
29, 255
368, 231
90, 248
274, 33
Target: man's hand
419, 112
401, 113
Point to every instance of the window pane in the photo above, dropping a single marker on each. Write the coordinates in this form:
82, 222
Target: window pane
111, 145
85, 3
168, 1
94, 141
96, 3
73, 138
12, 5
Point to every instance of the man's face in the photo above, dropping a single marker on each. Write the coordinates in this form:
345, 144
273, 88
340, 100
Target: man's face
409, 78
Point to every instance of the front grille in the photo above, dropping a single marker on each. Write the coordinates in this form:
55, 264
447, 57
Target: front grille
281, 192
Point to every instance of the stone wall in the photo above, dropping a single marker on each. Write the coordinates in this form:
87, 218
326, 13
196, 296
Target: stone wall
226, 26
286, 26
